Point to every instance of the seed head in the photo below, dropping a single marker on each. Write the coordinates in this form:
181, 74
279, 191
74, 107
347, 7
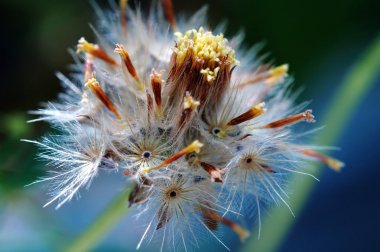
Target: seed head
204, 139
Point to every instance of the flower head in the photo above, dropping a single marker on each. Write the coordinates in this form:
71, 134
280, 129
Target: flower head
204, 138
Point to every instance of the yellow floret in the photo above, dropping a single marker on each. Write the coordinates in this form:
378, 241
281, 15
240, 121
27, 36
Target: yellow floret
204, 45
189, 102
210, 74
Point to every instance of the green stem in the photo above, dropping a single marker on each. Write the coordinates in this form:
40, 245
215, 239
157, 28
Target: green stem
353, 89
95, 232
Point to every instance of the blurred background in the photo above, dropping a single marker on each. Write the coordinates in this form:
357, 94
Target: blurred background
321, 41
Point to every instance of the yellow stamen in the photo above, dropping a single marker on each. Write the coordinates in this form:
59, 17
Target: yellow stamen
189, 106
210, 74
94, 50
190, 102
255, 111
193, 147
277, 75
119, 49
95, 87
204, 46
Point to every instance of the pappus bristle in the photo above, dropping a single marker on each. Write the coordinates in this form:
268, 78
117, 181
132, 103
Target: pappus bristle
175, 212
77, 157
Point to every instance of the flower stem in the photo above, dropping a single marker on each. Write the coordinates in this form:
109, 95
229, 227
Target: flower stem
102, 225
353, 89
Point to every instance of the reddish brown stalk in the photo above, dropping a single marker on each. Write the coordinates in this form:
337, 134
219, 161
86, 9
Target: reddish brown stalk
94, 50
258, 76
212, 215
95, 87
184, 119
305, 116
123, 16
334, 164
163, 215
169, 13
215, 173
271, 77
248, 115
189, 106
149, 100
244, 137
128, 64
156, 82
193, 147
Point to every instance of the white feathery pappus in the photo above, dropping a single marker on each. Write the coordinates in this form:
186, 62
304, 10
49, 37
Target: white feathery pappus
202, 128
